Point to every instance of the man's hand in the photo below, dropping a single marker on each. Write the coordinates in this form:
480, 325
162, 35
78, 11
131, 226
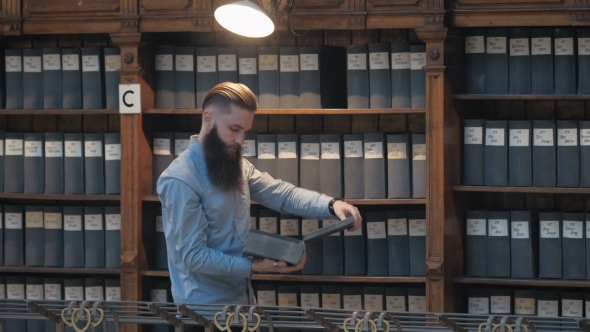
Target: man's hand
269, 265
344, 210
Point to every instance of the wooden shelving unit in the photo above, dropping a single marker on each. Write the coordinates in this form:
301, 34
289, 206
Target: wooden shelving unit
528, 190
43, 197
523, 97
57, 111
373, 111
525, 282
57, 270
401, 201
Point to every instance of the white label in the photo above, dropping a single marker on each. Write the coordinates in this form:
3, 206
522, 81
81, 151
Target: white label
474, 44
268, 62
309, 225
159, 224
418, 60
572, 308
54, 149
267, 298
74, 293
287, 299
543, 137
373, 302
248, 66
32, 64
266, 150
573, 229
268, 224
35, 292
519, 46
13, 64
72, 223
567, 137
13, 220
352, 302
34, 219
180, 145
373, 150
289, 227
395, 303
113, 293
33, 149
252, 222
495, 136
417, 227
15, 291
541, 46
496, 45
584, 46
397, 227
90, 63
53, 292
287, 150
289, 63
376, 230
498, 227
356, 232
51, 62
112, 63
418, 151
70, 62
164, 62
249, 148
564, 46
476, 227
499, 304
520, 229
548, 308
159, 295
185, 62
400, 61
353, 149
397, 151
549, 229
379, 60
357, 61
92, 149
416, 303
473, 135
94, 293
112, 152
331, 301
330, 222
331, 150
113, 222
584, 137
226, 62
1, 147
162, 146
524, 306
93, 222
309, 300
309, 62
14, 147
310, 151
52, 220
519, 137
478, 305
73, 148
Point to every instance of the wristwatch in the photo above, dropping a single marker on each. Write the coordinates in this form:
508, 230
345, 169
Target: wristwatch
331, 205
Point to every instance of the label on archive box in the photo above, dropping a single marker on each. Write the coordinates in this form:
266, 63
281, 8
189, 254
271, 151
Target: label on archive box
573, 229
373, 150
34, 219
353, 149
474, 44
70, 62
33, 149
549, 229
397, 227
331, 301
51, 62
310, 300
287, 150
378, 60
35, 292
13, 64
268, 62
92, 149
400, 61
184, 62
376, 230
13, 220
74, 293
352, 302
519, 137
417, 227
520, 229
289, 63
496, 45
572, 308
309, 62
206, 64
289, 227
476, 227
248, 66
112, 152
249, 148
112, 63
268, 224
418, 60
331, 150
32, 64
72, 223
357, 61
564, 46
53, 149
495, 136
113, 293
162, 146
519, 46
567, 137
159, 295
543, 137
90, 63
93, 222
14, 147
15, 291
498, 227
53, 292
113, 222
524, 306
267, 298
548, 308
287, 299
418, 151
499, 304
541, 46
73, 149
395, 303
479, 305
416, 303
309, 225
266, 150
373, 302
180, 145
310, 151
227, 62
164, 62
397, 151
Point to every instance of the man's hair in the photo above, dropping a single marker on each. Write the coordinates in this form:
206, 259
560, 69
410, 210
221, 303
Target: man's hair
227, 93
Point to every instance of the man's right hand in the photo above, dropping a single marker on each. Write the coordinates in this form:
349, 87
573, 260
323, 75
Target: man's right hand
269, 265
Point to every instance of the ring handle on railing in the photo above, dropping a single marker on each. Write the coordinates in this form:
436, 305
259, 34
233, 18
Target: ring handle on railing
519, 326
345, 324
256, 325
74, 319
227, 326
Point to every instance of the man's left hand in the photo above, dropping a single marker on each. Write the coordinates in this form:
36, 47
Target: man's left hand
344, 210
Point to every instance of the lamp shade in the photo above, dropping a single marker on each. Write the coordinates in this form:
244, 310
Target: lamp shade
244, 18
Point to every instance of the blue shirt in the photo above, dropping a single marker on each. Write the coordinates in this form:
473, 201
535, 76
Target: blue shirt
206, 228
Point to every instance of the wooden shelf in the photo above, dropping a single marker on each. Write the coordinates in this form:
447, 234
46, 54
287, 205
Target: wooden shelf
302, 111
57, 270
521, 97
524, 282
45, 197
57, 111
155, 198
529, 190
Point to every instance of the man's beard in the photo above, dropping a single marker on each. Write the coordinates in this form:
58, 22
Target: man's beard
224, 162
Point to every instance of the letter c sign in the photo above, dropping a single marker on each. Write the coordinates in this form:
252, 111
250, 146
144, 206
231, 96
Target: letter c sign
129, 99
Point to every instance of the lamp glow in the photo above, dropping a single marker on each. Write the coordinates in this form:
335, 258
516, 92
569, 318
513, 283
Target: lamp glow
244, 18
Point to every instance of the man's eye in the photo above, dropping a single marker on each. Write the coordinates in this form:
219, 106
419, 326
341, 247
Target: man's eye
234, 129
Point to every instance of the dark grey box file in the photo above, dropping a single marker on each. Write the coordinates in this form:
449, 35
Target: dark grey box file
401, 76
32, 79
310, 296
112, 237
375, 166
354, 252
568, 154
398, 153
498, 244
267, 154
417, 242
181, 142
352, 298
476, 247
288, 297
309, 163
331, 165
34, 236
14, 181
496, 153
496, 61
92, 78
525, 302
161, 259
94, 163
354, 166
14, 78
227, 64
417, 299
542, 61
565, 61
379, 75
94, 289
584, 153
73, 236
2, 160
112, 63
357, 76
35, 291
248, 68
374, 298
572, 304
418, 76
331, 297
74, 163
473, 152
54, 163
587, 216
15, 290
500, 301
164, 80
289, 77
548, 304
53, 291
112, 163
478, 301
574, 244
2, 226
288, 158
418, 165
94, 237
475, 61
290, 227
398, 255
206, 73
52, 79
520, 168
54, 242
162, 155
583, 61
14, 248
322, 77
184, 77
268, 77
2, 82
524, 245
550, 245
332, 252
519, 75
71, 77
396, 299
313, 264
34, 163
377, 243
249, 148
544, 152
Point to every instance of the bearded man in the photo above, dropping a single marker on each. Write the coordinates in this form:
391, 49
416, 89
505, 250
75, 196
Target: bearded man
205, 195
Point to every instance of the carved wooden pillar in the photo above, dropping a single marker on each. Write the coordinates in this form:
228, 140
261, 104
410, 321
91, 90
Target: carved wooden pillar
10, 11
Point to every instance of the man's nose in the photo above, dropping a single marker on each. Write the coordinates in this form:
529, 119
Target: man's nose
240, 139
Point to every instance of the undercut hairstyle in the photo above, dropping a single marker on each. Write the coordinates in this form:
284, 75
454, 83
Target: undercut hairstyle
225, 94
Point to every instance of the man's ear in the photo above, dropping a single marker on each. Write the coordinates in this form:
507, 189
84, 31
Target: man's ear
208, 119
